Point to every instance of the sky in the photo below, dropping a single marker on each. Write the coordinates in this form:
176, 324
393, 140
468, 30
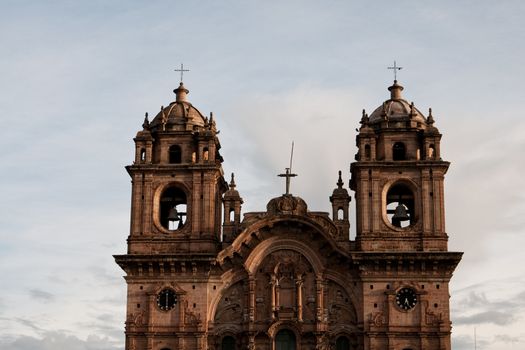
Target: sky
76, 78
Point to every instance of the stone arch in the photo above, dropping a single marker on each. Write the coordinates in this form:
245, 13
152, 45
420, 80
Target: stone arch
276, 243
280, 325
215, 338
414, 188
325, 228
156, 205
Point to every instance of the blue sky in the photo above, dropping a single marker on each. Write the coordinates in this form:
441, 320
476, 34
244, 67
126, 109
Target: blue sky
78, 76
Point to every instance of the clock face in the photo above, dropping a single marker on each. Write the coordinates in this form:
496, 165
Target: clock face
406, 298
166, 299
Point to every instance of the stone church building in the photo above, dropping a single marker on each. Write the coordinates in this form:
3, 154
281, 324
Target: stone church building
201, 274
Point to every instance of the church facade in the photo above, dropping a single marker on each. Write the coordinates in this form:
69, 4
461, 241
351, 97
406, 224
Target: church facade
201, 274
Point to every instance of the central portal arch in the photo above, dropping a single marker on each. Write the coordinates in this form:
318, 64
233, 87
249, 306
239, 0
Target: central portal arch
285, 340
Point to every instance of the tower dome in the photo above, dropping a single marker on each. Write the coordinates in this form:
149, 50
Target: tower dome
179, 115
396, 109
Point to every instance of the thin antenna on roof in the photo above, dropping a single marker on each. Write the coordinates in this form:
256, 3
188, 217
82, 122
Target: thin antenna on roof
291, 157
475, 340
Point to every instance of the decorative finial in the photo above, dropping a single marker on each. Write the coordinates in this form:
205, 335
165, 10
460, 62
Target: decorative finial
212, 122
340, 181
430, 118
395, 68
181, 70
364, 118
232, 182
164, 118
145, 125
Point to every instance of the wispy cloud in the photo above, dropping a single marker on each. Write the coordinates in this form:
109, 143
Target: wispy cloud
59, 340
41, 295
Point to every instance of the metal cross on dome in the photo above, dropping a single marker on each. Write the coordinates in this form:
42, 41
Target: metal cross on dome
181, 70
395, 68
288, 174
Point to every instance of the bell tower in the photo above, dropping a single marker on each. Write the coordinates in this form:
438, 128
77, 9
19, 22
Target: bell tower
177, 182
398, 178
176, 212
401, 239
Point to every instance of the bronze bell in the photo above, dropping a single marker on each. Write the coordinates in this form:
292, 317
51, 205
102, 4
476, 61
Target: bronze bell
400, 213
173, 215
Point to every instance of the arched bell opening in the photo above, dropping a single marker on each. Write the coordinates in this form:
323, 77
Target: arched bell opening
173, 208
400, 205
368, 152
340, 214
175, 154
431, 153
399, 151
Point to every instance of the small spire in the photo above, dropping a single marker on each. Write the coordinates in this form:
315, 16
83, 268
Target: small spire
232, 182
364, 118
145, 125
430, 118
395, 91
212, 122
412, 109
340, 181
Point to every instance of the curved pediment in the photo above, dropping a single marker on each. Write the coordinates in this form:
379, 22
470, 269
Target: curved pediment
311, 230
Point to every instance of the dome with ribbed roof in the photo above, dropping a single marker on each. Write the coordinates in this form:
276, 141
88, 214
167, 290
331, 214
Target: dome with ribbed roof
179, 115
396, 108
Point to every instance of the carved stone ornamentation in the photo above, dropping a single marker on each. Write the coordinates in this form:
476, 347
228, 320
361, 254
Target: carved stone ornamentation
202, 274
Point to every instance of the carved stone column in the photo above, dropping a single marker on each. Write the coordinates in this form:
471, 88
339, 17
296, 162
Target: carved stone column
251, 286
299, 286
273, 282
320, 301
277, 295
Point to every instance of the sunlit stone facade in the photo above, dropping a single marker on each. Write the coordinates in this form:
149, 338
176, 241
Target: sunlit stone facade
202, 275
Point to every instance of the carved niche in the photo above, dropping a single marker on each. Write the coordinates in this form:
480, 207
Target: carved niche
340, 307
285, 287
232, 306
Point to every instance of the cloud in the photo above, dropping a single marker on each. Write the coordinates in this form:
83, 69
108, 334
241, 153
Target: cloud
496, 317
28, 323
484, 303
59, 340
504, 338
41, 295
